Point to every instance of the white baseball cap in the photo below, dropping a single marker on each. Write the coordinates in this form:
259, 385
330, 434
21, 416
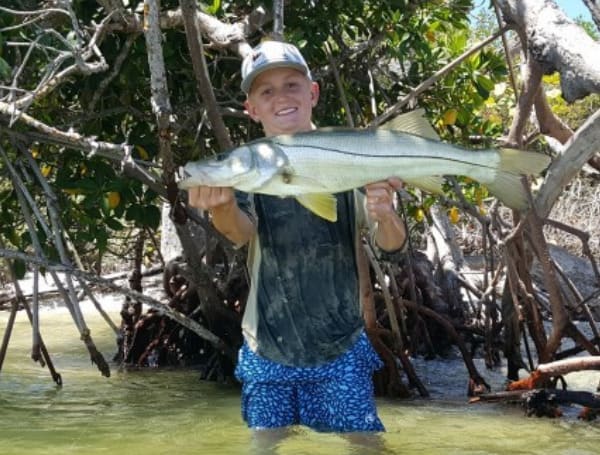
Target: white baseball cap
271, 54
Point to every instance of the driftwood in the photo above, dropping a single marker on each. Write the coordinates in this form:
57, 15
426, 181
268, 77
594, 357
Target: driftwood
545, 402
544, 372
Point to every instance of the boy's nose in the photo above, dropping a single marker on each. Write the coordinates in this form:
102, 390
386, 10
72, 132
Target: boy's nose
280, 93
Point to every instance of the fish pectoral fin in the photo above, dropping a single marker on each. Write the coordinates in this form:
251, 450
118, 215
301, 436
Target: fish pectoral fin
323, 205
432, 184
413, 122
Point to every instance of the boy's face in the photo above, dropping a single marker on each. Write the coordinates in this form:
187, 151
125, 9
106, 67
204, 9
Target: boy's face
282, 100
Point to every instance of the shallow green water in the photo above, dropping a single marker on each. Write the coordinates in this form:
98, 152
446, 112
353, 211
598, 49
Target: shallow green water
172, 412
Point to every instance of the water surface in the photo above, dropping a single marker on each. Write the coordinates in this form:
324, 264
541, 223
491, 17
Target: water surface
151, 412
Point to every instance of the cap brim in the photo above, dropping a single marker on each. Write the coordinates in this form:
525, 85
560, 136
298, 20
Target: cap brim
249, 79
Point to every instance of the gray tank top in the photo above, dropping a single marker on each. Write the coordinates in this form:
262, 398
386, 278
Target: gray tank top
303, 307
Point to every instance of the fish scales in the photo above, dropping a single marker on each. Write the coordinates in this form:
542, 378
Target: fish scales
341, 163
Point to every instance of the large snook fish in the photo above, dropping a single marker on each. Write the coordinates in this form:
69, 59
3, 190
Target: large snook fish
312, 166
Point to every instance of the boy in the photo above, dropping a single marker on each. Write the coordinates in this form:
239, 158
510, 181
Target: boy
306, 358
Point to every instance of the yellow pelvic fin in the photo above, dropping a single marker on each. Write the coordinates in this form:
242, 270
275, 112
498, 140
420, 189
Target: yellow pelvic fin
413, 122
323, 205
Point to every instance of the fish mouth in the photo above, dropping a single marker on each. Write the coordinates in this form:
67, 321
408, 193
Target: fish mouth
204, 177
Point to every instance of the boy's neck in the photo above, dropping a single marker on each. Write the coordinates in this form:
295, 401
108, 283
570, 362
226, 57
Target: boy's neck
299, 130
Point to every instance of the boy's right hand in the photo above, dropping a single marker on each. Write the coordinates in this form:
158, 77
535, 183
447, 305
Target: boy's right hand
226, 215
211, 198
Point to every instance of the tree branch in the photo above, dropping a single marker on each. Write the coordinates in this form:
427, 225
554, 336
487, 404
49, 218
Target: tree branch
161, 105
220, 34
594, 8
80, 53
391, 112
532, 78
578, 150
196, 49
115, 70
120, 153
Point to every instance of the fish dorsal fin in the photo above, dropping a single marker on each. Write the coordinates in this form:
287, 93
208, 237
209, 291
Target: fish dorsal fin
432, 184
323, 205
413, 122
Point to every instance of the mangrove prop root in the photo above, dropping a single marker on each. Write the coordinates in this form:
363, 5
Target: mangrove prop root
588, 414
477, 383
389, 376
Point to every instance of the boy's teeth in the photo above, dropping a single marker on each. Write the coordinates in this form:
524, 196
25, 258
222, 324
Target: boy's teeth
286, 111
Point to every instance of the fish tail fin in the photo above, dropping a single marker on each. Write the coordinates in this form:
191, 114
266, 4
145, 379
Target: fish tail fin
506, 184
522, 162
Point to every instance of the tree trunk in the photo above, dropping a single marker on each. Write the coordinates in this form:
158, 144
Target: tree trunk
443, 249
557, 44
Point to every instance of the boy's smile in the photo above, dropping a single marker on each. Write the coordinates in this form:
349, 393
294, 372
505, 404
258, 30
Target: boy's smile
282, 100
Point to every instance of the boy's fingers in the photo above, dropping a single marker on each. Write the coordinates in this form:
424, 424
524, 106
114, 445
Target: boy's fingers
396, 183
205, 197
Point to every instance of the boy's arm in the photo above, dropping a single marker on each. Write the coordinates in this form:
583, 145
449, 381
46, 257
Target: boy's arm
390, 233
227, 217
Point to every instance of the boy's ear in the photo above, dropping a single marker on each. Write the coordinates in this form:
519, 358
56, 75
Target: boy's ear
251, 111
314, 93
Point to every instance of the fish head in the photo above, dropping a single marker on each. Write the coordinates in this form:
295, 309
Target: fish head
226, 169
247, 167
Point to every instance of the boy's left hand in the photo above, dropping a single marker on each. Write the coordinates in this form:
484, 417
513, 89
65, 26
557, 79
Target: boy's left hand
380, 199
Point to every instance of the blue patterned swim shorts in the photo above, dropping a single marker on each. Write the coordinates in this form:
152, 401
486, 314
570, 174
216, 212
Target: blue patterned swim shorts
336, 396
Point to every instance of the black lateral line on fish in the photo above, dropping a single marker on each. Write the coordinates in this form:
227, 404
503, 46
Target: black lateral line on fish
346, 152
